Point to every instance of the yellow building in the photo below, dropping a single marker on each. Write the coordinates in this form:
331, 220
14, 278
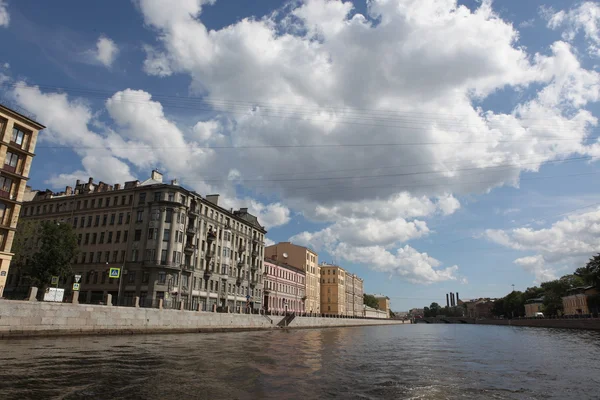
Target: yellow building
384, 304
333, 289
576, 303
533, 306
17, 144
305, 260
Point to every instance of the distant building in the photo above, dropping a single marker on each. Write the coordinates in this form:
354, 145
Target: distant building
383, 303
370, 312
306, 260
478, 308
576, 301
333, 289
533, 306
18, 136
354, 295
283, 287
416, 312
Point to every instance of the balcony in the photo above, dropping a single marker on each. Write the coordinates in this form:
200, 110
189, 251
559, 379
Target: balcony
191, 229
255, 240
211, 236
241, 249
240, 264
209, 254
189, 248
10, 168
252, 284
254, 253
162, 264
238, 281
188, 267
207, 274
253, 268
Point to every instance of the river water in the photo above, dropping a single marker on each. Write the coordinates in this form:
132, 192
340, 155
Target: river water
381, 362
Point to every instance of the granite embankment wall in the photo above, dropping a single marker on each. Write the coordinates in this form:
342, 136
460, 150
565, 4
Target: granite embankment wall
27, 318
593, 324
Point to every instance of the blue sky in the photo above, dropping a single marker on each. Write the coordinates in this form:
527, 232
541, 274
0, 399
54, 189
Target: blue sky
417, 146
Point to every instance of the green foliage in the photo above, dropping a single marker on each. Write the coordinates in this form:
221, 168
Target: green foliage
22, 242
590, 274
555, 290
57, 247
370, 301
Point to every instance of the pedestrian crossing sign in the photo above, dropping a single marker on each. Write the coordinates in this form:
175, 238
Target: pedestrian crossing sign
114, 273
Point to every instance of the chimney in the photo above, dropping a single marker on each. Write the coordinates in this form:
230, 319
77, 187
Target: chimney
174, 182
456, 298
77, 183
157, 176
213, 198
68, 190
447, 300
451, 299
117, 186
91, 180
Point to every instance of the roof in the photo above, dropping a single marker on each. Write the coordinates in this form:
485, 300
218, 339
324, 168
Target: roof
284, 265
295, 245
21, 116
537, 300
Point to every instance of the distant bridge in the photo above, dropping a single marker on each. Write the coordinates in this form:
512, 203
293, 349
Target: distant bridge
445, 320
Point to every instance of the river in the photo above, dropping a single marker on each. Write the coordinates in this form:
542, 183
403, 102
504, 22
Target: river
380, 362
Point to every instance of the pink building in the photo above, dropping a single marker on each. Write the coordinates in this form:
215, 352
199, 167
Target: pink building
283, 287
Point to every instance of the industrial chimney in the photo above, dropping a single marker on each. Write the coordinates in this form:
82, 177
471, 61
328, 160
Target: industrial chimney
452, 299
447, 300
456, 298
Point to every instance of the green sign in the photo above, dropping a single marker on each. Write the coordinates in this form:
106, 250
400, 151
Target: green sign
114, 273
76, 286
54, 280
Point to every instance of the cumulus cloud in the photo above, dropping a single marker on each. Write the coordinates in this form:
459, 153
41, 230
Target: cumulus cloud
583, 18
566, 244
4, 15
105, 53
356, 121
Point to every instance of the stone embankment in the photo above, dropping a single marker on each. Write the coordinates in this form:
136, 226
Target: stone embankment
566, 323
29, 318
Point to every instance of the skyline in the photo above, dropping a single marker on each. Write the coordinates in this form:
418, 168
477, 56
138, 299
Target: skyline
378, 136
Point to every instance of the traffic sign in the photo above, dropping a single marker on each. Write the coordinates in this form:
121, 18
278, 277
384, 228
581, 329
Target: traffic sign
54, 280
76, 286
247, 297
77, 278
114, 273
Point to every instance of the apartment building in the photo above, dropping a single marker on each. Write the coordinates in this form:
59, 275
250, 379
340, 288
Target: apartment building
306, 260
354, 295
284, 288
171, 243
384, 304
18, 136
333, 289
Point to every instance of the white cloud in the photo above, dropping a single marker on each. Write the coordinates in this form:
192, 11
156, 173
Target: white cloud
530, 23
105, 53
564, 245
584, 18
269, 242
4, 15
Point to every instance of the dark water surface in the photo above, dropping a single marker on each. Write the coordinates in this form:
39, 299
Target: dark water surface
384, 362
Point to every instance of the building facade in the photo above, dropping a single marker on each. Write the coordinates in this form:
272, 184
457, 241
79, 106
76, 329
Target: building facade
370, 312
333, 289
18, 137
171, 243
354, 295
284, 288
306, 260
384, 304
533, 306
576, 301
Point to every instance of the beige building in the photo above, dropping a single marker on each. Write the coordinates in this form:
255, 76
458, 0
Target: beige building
354, 295
333, 289
384, 304
17, 144
306, 260
171, 243
576, 302
533, 306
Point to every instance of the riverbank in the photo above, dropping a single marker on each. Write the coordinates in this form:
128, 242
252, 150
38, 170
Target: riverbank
590, 324
28, 318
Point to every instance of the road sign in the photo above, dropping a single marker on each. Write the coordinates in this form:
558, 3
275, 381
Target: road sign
114, 273
247, 297
76, 286
77, 278
54, 280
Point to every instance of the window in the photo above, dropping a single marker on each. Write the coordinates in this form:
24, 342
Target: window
94, 237
155, 215
101, 237
98, 256
115, 255
162, 277
157, 196
99, 203
79, 241
125, 235
118, 237
110, 235
115, 200
163, 256
128, 218
166, 235
17, 136
171, 196
142, 198
112, 219
89, 221
134, 255
11, 161
75, 222
104, 219
97, 221
82, 224
131, 277
107, 256
139, 216
145, 277
137, 236
151, 233
120, 221
85, 204
123, 200
87, 238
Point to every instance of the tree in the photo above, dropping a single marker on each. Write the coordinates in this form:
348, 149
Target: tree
555, 290
57, 247
370, 301
590, 274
